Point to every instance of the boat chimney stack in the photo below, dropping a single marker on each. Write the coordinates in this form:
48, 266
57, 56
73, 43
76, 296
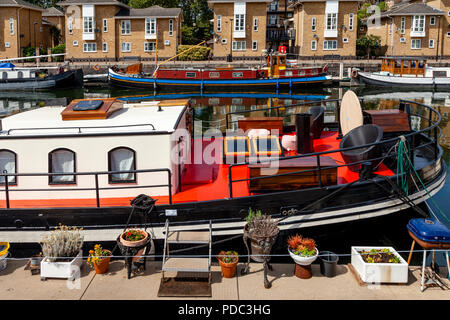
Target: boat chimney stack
303, 132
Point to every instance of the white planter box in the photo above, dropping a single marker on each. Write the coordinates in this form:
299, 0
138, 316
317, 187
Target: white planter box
380, 272
66, 270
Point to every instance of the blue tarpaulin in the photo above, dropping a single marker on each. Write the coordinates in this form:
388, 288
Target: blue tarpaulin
4, 65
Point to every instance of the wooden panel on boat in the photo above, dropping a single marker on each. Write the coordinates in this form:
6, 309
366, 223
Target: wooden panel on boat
390, 120
134, 68
269, 123
109, 106
173, 102
296, 180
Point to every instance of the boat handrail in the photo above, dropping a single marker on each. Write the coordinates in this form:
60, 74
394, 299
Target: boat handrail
80, 128
432, 125
95, 174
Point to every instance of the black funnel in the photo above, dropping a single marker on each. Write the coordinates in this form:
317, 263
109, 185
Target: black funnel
317, 124
361, 136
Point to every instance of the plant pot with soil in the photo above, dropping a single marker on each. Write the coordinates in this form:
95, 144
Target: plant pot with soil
304, 252
99, 259
228, 261
135, 238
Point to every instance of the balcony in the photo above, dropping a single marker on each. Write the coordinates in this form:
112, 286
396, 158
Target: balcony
280, 34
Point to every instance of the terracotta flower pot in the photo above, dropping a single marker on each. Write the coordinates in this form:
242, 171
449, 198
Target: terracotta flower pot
102, 265
228, 269
135, 243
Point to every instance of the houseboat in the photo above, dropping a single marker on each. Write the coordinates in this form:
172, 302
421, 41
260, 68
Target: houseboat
406, 72
82, 165
277, 74
12, 78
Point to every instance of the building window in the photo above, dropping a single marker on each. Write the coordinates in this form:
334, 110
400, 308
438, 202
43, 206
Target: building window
61, 161
8, 165
331, 21
314, 45
149, 46
274, 6
70, 25
350, 21
313, 24
126, 27
150, 26
170, 27
11, 26
345, 40
89, 47
415, 44
105, 25
402, 40
254, 45
402, 25
126, 47
105, 47
390, 26
239, 22
88, 24
255, 24
75, 43
238, 45
330, 45
432, 21
122, 159
431, 43
219, 23
418, 24
273, 19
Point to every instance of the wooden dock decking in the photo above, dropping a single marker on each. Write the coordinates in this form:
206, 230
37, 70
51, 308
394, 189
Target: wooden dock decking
18, 284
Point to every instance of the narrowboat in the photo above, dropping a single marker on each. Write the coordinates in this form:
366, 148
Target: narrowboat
406, 72
12, 78
277, 74
84, 165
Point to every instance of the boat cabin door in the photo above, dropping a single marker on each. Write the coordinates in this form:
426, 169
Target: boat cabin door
276, 63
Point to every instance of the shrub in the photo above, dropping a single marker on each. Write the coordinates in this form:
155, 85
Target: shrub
59, 49
62, 242
196, 54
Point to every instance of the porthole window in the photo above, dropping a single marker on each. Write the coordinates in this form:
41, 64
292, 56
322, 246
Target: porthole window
61, 161
122, 159
7, 165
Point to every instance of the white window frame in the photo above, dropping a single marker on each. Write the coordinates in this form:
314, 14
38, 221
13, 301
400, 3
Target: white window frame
171, 27
219, 23
402, 40
432, 19
105, 25
414, 41
255, 45
127, 46
418, 26
150, 28
255, 24
75, 43
88, 25
326, 46
125, 27
331, 21
239, 22
273, 18
351, 21
402, 25
313, 23
313, 45
344, 40
431, 43
105, 47
239, 45
86, 45
11, 26
147, 46
70, 25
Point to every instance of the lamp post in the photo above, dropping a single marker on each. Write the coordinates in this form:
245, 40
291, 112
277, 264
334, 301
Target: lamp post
34, 28
231, 40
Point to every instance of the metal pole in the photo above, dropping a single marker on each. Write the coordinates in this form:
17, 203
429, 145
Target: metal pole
97, 195
5, 176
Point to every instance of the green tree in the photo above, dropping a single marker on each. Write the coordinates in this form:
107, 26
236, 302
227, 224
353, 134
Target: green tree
368, 45
139, 4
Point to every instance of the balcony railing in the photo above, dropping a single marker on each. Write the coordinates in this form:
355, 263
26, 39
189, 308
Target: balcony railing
280, 34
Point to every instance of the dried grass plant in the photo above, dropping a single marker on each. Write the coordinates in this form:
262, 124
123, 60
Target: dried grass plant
62, 242
260, 225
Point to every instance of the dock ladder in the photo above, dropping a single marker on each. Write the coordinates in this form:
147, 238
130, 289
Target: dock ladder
190, 286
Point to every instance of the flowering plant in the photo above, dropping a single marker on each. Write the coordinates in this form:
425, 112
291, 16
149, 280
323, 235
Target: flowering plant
228, 256
302, 246
96, 255
133, 235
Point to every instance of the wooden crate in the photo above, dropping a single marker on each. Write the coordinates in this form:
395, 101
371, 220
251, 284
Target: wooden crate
390, 120
296, 180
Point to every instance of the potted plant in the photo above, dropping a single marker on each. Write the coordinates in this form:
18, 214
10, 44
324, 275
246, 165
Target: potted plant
99, 259
304, 252
228, 262
379, 265
62, 253
134, 238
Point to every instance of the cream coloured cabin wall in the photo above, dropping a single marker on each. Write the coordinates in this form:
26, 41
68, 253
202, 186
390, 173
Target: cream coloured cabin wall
152, 151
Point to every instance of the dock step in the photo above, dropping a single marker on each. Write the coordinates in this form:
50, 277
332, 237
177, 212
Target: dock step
188, 237
186, 265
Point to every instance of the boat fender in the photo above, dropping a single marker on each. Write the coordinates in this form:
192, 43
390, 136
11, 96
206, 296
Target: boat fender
354, 73
97, 67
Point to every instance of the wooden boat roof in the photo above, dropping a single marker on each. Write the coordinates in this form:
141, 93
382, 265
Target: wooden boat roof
108, 107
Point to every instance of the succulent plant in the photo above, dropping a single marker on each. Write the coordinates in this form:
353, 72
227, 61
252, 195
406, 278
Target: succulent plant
261, 225
62, 242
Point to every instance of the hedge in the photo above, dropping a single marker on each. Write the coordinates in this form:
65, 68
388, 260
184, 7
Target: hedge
196, 54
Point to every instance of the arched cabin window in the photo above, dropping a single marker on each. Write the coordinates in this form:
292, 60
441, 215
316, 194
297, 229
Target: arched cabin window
8, 164
61, 161
122, 159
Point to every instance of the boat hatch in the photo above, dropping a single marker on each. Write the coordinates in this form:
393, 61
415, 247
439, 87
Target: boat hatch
85, 109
